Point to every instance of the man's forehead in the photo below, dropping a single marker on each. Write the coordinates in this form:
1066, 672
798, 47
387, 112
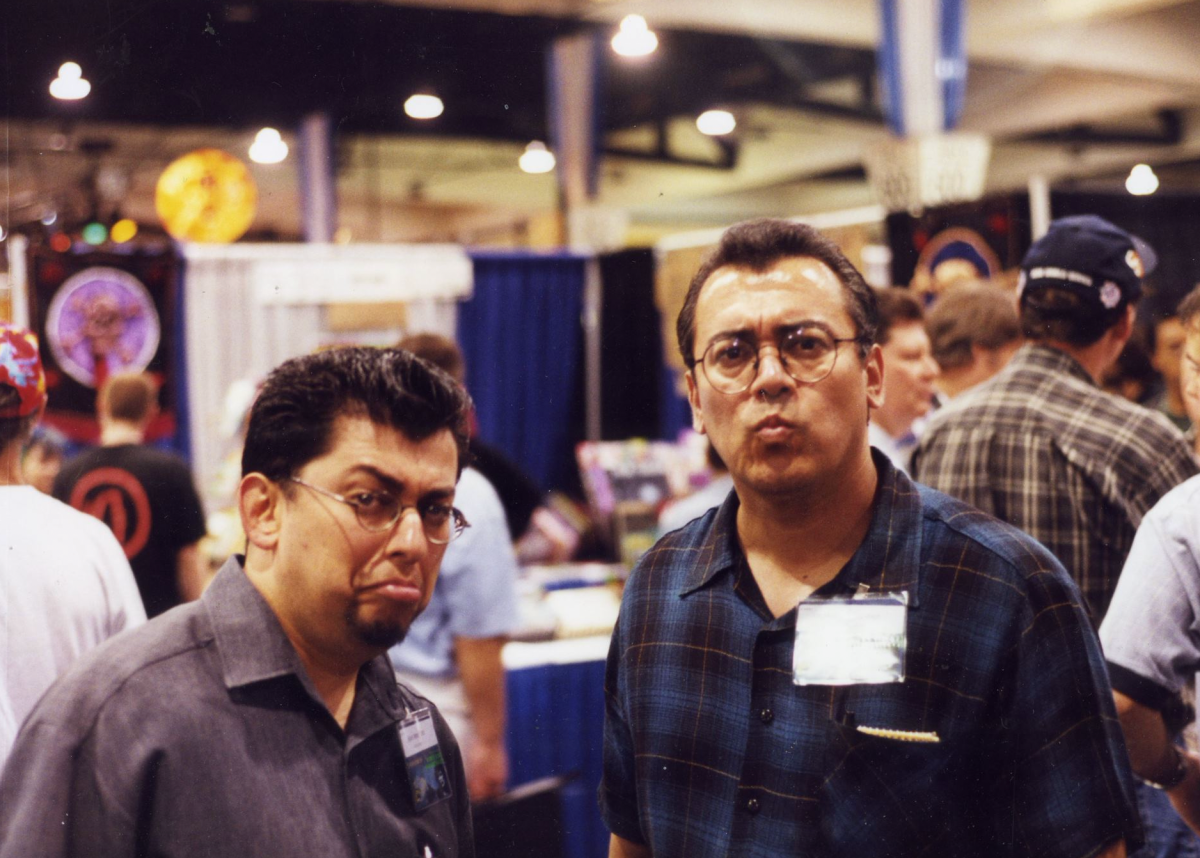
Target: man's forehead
803, 275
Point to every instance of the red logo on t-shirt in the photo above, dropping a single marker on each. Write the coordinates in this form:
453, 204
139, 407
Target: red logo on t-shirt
114, 496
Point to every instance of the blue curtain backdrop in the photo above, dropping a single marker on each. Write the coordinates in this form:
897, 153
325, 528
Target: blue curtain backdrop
522, 341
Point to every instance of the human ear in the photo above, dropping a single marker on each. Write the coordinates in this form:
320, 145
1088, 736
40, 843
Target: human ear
260, 503
873, 367
694, 401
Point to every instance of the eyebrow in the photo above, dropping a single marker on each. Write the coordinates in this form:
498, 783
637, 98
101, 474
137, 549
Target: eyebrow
395, 486
779, 330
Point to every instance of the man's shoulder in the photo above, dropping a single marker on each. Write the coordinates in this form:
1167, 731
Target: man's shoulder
133, 671
1178, 511
996, 547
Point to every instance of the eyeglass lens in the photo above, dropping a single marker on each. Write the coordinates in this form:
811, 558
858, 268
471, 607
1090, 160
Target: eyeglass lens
807, 355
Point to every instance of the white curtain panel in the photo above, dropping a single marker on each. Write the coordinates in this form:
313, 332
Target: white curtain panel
249, 307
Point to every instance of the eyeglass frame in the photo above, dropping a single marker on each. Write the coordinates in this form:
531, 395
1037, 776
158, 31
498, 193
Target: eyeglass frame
864, 344
459, 523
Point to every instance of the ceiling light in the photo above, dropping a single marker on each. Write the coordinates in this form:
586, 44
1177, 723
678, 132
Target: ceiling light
70, 84
536, 158
424, 106
714, 123
634, 39
49, 217
1141, 181
268, 147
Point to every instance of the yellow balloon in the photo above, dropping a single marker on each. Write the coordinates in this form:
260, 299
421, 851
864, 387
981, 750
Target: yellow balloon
206, 196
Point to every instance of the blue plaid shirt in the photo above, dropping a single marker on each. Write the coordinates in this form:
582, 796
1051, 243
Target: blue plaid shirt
710, 749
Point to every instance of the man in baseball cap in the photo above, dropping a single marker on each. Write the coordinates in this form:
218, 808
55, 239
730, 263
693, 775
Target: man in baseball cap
65, 581
1040, 445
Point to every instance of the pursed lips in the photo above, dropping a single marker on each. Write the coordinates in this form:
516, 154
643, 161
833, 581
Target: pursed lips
395, 589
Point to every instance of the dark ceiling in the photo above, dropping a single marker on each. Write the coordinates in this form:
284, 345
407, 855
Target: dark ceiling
190, 62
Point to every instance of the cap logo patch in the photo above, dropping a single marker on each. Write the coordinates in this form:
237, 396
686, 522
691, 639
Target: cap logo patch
1135, 262
1110, 294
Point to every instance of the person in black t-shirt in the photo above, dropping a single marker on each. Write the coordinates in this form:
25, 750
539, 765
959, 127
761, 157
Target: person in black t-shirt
145, 496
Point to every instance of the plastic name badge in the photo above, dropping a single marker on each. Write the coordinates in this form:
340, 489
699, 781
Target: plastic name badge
851, 641
427, 775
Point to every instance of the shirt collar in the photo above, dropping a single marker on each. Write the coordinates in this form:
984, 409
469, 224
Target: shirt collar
887, 561
1048, 359
253, 647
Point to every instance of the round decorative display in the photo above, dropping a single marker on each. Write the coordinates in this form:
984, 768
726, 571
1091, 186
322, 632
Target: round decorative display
102, 321
207, 196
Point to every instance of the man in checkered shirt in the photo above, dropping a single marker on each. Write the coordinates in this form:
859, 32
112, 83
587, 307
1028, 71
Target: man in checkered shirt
838, 661
1040, 445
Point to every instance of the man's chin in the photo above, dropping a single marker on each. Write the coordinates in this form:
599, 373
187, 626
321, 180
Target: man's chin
378, 634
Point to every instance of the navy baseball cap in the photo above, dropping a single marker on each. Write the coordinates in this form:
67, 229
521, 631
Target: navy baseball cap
1089, 257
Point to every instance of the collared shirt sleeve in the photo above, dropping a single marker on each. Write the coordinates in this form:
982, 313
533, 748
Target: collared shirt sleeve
618, 786
1151, 634
1063, 752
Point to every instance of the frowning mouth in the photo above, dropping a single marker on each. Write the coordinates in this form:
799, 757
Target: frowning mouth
773, 422
395, 590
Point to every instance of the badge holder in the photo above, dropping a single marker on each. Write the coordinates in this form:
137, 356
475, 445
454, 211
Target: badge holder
427, 773
851, 641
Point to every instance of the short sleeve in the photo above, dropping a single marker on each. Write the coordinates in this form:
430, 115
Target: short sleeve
1062, 753
125, 607
618, 785
477, 586
1150, 629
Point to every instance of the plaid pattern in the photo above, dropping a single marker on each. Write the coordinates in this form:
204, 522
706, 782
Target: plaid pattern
711, 750
1041, 447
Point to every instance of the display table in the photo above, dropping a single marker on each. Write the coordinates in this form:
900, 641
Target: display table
555, 727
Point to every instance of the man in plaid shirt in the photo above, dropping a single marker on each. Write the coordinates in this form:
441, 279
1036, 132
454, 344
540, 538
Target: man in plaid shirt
1040, 445
838, 661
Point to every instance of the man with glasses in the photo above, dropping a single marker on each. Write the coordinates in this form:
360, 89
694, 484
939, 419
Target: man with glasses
265, 719
838, 661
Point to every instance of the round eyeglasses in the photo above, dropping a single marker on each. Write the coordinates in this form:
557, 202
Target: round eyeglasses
808, 354
379, 511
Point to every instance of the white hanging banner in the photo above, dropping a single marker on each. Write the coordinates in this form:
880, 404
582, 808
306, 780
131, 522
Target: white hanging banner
413, 273
933, 170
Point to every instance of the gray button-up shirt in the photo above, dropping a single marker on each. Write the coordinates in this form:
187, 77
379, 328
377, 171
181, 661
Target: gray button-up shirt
201, 734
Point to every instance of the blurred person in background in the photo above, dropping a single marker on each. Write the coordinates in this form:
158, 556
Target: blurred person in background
1132, 376
43, 458
909, 374
973, 332
679, 512
1189, 369
452, 651
65, 585
1166, 355
146, 496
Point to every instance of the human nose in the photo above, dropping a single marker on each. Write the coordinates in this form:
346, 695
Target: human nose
771, 377
407, 536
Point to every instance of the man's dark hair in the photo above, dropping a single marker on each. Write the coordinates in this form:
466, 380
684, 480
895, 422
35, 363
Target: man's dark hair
128, 397
897, 307
761, 244
14, 429
1058, 314
292, 419
440, 351
1189, 308
967, 316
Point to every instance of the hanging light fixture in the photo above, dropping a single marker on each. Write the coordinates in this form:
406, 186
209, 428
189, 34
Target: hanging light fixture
536, 158
635, 38
716, 123
70, 85
1141, 180
268, 147
421, 105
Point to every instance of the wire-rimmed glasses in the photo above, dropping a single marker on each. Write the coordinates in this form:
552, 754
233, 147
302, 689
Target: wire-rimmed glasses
379, 511
808, 354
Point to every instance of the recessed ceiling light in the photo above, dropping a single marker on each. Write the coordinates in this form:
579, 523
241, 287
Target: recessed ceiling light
1141, 180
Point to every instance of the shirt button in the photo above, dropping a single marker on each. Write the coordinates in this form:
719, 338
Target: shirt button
766, 716
752, 805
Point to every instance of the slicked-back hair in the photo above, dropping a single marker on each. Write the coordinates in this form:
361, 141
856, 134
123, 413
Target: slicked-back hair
291, 421
897, 306
761, 244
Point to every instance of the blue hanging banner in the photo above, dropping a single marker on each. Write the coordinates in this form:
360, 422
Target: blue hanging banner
922, 64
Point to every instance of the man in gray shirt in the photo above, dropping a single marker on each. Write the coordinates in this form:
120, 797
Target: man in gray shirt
264, 719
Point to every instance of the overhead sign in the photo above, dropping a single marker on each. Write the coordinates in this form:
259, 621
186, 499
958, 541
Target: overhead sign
921, 172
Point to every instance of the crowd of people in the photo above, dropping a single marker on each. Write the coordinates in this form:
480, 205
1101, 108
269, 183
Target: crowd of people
944, 603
